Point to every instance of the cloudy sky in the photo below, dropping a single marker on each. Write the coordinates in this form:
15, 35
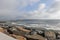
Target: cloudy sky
29, 9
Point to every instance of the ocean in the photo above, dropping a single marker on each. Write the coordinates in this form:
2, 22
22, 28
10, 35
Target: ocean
47, 24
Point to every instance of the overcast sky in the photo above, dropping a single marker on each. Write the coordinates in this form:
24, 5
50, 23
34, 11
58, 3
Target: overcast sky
29, 9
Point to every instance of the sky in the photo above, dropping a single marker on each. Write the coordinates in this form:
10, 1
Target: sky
29, 9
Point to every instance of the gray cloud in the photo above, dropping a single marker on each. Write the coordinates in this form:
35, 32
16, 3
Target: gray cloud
9, 8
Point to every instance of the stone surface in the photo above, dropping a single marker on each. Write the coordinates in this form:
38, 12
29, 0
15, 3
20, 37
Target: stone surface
5, 37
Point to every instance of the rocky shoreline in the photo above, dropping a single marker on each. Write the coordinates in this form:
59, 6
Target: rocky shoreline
24, 33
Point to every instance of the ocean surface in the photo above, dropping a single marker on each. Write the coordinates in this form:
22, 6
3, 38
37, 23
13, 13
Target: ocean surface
47, 24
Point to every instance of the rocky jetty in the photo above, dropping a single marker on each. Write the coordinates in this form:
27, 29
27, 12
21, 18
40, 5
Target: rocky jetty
23, 33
